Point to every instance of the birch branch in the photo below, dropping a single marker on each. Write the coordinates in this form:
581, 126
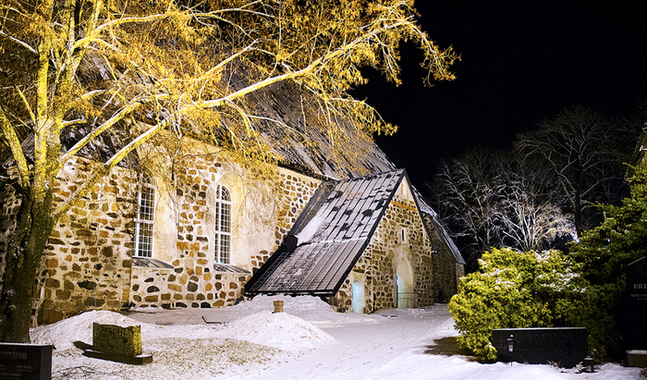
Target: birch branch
105, 168
16, 149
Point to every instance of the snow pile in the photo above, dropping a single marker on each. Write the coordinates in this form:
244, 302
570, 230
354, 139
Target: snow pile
61, 334
279, 330
254, 343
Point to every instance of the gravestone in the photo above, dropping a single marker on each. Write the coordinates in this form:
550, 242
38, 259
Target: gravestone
116, 343
114, 339
25, 361
637, 304
565, 346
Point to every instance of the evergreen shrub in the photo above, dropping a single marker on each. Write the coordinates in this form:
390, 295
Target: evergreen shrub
516, 289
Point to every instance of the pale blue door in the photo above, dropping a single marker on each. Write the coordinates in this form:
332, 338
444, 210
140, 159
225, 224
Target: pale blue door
358, 297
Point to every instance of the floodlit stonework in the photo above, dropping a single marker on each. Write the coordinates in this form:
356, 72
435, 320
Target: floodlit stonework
91, 262
400, 247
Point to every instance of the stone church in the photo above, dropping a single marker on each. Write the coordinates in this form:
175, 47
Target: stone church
344, 225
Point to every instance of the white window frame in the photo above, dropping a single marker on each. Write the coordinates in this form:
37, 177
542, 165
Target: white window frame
145, 219
222, 226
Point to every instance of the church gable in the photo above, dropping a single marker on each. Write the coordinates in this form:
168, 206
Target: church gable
328, 237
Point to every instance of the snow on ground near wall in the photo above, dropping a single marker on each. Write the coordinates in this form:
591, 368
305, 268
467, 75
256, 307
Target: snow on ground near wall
307, 341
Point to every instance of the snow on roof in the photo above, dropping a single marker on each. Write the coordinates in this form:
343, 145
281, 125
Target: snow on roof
332, 232
328, 237
293, 125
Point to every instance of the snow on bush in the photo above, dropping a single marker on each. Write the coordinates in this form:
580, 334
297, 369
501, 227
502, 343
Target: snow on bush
519, 289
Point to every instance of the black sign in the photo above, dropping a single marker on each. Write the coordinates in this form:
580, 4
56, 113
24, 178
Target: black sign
564, 346
637, 304
25, 361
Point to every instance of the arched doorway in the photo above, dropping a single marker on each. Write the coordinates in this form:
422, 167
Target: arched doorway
404, 284
358, 297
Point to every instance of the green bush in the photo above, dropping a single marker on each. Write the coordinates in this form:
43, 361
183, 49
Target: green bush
586, 288
515, 289
604, 253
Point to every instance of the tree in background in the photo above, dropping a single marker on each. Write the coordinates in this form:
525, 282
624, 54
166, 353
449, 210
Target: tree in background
584, 288
165, 69
528, 212
466, 196
491, 199
583, 152
605, 251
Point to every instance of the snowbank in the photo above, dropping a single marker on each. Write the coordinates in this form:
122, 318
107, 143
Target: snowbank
280, 330
63, 333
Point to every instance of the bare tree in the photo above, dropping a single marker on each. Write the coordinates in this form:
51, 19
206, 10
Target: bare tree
466, 197
490, 199
172, 68
582, 152
529, 213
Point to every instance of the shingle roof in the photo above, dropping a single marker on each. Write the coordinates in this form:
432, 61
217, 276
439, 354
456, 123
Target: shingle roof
290, 122
294, 125
328, 237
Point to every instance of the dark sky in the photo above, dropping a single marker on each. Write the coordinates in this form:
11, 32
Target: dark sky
521, 62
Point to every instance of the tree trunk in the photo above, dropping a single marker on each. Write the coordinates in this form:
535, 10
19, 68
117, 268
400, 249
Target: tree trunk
23, 258
577, 212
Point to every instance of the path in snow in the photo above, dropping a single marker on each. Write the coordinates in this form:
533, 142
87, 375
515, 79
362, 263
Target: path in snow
363, 347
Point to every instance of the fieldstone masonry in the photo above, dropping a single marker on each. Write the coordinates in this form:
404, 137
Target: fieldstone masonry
193, 281
88, 262
377, 267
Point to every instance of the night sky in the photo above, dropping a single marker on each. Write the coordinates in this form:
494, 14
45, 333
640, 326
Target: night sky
521, 63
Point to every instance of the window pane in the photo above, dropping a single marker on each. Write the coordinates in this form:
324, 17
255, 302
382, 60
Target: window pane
222, 225
145, 240
217, 216
144, 222
225, 221
224, 248
224, 194
146, 203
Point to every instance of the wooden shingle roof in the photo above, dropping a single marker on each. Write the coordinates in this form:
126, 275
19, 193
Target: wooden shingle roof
329, 237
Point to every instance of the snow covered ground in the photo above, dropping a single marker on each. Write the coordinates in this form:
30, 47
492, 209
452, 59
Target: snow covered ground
307, 341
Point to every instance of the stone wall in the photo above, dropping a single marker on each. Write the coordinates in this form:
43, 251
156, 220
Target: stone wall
182, 287
193, 281
293, 194
446, 271
88, 265
87, 262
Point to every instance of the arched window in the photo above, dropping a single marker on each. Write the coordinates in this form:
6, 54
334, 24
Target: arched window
144, 218
223, 225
